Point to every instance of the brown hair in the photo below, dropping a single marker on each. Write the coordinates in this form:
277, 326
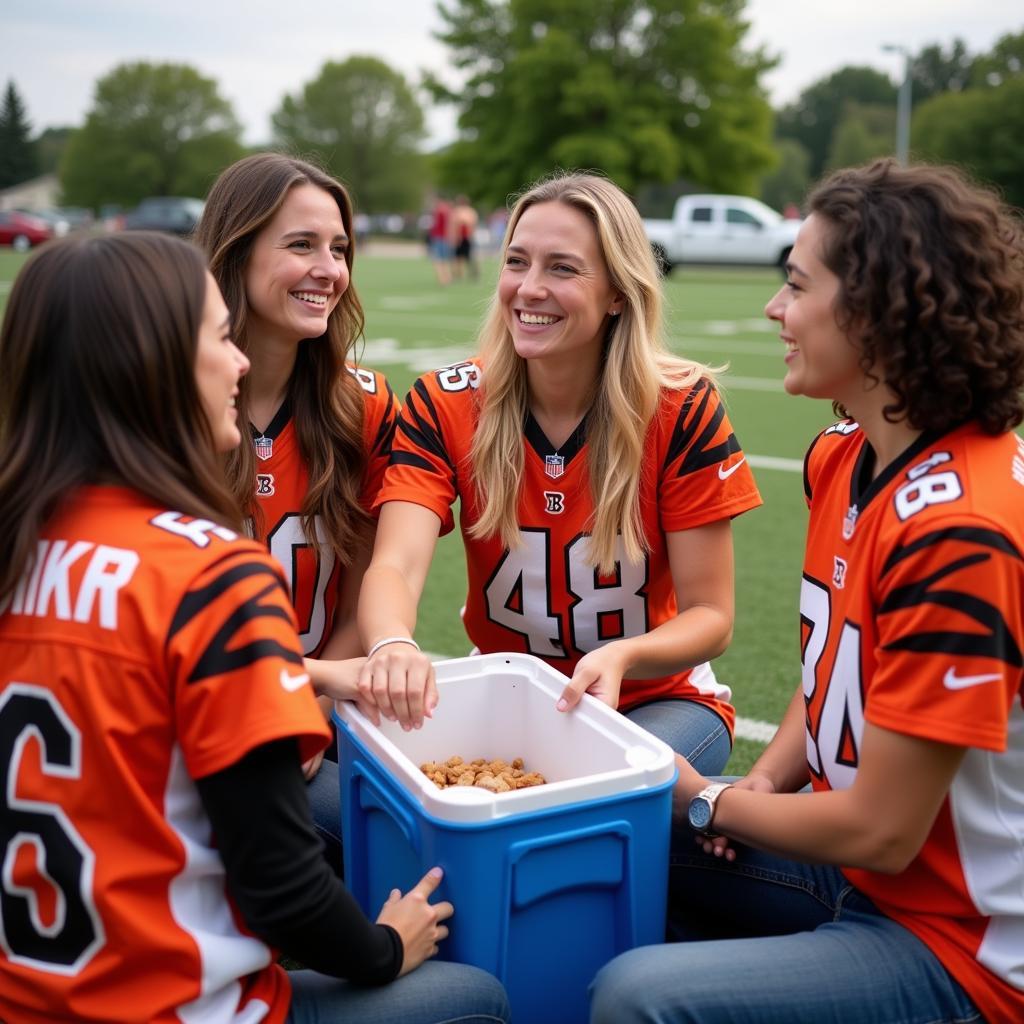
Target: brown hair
326, 400
931, 283
98, 349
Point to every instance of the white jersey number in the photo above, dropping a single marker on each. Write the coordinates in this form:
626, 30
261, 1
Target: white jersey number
518, 597
832, 750
285, 541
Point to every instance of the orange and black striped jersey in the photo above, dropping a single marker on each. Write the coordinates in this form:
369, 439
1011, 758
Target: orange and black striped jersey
912, 618
282, 480
543, 598
142, 650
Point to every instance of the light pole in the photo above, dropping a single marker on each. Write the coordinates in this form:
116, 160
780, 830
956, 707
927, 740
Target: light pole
902, 104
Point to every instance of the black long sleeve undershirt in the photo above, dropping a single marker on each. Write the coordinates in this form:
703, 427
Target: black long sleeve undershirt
277, 875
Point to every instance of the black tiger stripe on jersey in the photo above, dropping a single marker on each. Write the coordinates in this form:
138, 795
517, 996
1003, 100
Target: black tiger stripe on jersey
386, 431
424, 430
697, 453
404, 458
217, 658
971, 534
997, 642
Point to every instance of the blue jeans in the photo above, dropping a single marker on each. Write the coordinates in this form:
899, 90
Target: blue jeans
767, 940
435, 993
690, 729
324, 791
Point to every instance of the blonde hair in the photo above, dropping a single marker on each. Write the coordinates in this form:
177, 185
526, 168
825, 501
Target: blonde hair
637, 365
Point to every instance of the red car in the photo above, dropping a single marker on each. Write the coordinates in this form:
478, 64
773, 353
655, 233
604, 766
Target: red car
22, 230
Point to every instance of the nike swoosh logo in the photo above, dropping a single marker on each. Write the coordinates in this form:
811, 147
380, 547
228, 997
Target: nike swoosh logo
954, 682
292, 683
724, 474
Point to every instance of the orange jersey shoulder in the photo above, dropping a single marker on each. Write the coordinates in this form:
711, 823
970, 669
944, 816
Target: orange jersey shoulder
142, 650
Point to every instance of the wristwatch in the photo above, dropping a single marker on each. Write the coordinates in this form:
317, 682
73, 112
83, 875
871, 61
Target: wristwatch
701, 812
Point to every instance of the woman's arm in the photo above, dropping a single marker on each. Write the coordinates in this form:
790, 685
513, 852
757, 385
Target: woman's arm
398, 678
701, 560
286, 893
880, 822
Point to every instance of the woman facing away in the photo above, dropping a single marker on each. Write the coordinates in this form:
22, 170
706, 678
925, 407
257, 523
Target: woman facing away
597, 475
155, 835
278, 234
894, 890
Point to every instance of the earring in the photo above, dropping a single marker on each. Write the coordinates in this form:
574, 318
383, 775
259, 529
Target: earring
614, 312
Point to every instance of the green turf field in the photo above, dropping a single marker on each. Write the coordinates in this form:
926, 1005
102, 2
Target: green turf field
715, 316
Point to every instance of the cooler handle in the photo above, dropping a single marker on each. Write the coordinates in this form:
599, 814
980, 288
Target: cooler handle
373, 795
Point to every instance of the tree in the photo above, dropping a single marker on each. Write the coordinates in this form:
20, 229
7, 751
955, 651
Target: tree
1005, 61
934, 71
814, 116
18, 161
863, 133
50, 146
154, 129
361, 121
643, 90
980, 129
788, 182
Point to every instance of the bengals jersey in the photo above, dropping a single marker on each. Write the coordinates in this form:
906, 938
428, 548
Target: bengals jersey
543, 598
282, 480
144, 649
912, 619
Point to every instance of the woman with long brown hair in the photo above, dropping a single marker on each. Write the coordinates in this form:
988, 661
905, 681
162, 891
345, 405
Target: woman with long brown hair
278, 234
156, 841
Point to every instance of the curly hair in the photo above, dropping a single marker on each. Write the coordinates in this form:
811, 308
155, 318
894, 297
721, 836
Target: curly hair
931, 282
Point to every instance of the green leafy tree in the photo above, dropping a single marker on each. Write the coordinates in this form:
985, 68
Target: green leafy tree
643, 90
50, 145
154, 129
788, 182
18, 161
863, 133
1003, 62
935, 71
360, 120
979, 129
813, 117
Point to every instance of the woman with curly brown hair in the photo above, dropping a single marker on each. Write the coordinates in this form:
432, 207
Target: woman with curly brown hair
893, 888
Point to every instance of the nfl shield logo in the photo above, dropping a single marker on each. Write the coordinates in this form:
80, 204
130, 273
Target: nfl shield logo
264, 446
554, 466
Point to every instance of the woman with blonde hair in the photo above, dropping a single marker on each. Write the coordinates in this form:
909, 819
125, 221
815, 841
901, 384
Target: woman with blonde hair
598, 475
280, 242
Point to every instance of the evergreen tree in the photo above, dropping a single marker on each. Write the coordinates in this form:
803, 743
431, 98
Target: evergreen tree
18, 160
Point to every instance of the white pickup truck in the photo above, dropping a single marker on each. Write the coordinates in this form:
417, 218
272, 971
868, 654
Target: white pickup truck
722, 229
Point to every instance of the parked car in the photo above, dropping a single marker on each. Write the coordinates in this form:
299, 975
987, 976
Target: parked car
59, 225
176, 214
722, 229
23, 230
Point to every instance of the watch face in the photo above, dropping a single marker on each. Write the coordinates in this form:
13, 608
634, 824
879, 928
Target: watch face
700, 813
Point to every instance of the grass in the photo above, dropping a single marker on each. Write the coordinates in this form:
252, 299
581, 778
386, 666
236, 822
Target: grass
715, 316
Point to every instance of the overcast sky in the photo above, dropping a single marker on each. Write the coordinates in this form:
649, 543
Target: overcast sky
258, 50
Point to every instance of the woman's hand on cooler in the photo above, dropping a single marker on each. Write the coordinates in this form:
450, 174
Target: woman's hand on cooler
598, 673
339, 680
419, 923
398, 679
